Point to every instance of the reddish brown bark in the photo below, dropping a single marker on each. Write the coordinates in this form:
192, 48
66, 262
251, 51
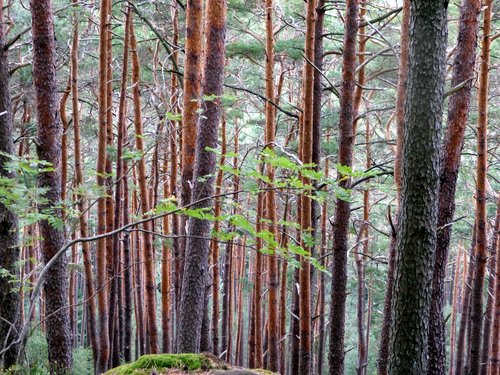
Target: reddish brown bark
270, 212
191, 98
197, 248
102, 363
342, 210
481, 168
149, 265
49, 132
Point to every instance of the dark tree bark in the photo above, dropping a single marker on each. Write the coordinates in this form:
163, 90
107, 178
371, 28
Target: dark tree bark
49, 132
10, 302
416, 240
343, 208
197, 249
481, 169
458, 113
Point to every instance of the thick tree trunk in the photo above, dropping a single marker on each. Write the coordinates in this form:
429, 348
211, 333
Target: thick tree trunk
417, 219
197, 249
481, 168
191, 105
458, 113
10, 302
49, 133
343, 208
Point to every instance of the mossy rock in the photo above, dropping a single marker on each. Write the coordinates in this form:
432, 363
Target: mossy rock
162, 362
205, 363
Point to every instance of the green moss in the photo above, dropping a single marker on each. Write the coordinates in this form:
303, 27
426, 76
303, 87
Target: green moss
185, 362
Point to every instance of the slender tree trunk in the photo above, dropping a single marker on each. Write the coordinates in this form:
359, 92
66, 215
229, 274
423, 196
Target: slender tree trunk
458, 112
270, 212
417, 219
464, 319
165, 270
306, 141
128, 294
49, 133
82, 206
197, 249
482, 166
490, 305
215, 247
102, 364
149, 265
342, 210
454, 309
10, 302
495, 337
383, 354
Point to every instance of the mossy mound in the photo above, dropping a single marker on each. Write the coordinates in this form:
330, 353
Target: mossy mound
162, 362
205, 363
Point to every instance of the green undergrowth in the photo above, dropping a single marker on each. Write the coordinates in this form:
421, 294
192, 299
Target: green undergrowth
162, 362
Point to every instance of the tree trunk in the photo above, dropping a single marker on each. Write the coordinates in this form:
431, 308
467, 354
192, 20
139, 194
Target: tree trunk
464, 319
495, 337
49, 134
197, 249
10, 302
482, 166
82, 204
454, 309
191, 105
270, 212
102, 296
458, 112
417, 219
383, 354
149, 265
343, 208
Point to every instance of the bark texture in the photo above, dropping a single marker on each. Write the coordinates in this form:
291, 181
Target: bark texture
416, 239
49, 133
343, 208
458, 113
197, 249
10, 303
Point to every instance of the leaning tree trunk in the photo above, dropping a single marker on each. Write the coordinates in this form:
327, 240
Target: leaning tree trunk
416, 238
197, 247
10, 302
481, 168
458, 113
343, 208
49, 132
